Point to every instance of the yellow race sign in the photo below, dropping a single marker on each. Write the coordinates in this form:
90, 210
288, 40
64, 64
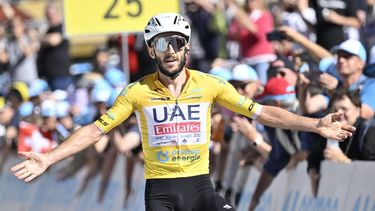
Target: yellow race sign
90, 17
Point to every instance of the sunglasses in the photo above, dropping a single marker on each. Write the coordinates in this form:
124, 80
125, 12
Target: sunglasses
345, 55
162, 43
239, 84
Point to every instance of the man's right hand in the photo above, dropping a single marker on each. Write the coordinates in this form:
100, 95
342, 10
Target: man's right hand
328, 81
29, 169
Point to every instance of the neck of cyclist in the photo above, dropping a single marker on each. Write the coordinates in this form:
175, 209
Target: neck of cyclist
176, 79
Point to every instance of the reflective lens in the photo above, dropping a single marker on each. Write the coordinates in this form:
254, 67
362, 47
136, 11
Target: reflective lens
162, 43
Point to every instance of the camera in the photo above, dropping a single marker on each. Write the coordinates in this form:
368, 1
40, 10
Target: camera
276, 35
312, 74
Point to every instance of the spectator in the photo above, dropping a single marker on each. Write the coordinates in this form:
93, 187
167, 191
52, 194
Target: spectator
246, 81
291, 16
127, 139
285, 143
350, 63
361, 146
331, 17
53, 59
201, 13
22, 53
369, 24
249, 28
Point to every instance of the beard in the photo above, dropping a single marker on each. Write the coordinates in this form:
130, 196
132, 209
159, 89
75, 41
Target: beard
171, 74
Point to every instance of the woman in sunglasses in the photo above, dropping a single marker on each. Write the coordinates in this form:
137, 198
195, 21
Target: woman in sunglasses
173, 109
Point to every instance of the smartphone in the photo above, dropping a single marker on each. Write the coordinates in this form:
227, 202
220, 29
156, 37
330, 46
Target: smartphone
276, 35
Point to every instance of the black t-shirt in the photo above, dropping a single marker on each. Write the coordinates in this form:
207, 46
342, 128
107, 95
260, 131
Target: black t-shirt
362, 145
54, 61
330, 34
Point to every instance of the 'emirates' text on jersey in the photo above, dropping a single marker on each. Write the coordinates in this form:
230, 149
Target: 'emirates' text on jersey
176, 131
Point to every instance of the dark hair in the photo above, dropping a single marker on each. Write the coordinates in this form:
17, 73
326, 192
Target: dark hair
353, 95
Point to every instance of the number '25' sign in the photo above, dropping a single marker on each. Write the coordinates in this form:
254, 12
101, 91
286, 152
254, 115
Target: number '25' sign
90, 17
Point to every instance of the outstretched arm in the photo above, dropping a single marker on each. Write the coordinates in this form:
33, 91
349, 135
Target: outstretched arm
329, 126
37, 163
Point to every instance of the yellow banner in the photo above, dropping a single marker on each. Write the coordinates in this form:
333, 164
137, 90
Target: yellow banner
90, 17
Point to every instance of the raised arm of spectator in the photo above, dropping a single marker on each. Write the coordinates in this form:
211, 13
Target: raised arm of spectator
240, 15
307, 13
309, 104
315, 50
37, 163
52, 39
7, 9
338, 19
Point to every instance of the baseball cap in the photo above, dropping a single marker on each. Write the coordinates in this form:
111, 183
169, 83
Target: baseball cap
328, 65
288, 63
353, 47
48, 108
115, 77
221, 72
277, 88
37, 86
26, 109
62, 109
22, 88
243, 72
101, 92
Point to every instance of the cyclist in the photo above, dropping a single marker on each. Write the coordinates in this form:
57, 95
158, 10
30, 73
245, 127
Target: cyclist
173, 108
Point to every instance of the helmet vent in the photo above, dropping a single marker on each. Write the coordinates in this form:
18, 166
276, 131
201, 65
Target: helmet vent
158, 22
175, 20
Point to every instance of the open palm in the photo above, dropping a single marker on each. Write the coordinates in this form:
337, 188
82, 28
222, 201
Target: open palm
331, 128
29, 169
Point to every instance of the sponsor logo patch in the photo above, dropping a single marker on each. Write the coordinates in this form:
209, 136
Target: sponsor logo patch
251, 106
179, 156
103, 122
173, 128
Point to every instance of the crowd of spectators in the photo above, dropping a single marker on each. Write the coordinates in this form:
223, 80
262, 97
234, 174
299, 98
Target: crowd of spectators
307, 56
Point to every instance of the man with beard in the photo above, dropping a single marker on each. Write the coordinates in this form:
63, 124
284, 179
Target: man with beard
173, 107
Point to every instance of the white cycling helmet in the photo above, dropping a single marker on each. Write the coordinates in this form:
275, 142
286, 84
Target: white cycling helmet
166, 22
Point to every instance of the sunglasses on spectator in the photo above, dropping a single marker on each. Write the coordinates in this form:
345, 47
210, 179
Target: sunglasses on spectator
345, 55
161, 44
240, 84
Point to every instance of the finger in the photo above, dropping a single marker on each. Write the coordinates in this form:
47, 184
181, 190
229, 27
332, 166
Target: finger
348, 128
18, 167
24, 175
31, 177
347, 133
20, 172
342, 137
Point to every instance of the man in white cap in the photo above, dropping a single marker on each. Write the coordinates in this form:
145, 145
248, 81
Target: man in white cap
173, 108
351, 59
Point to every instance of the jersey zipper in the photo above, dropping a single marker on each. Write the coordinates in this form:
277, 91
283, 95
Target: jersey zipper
178, 135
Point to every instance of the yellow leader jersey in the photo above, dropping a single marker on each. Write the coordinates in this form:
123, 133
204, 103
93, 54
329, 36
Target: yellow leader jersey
176, 131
